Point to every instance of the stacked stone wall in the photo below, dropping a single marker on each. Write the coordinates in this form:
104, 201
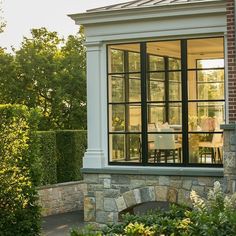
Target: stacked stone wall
110, 194
230, 157
62, 198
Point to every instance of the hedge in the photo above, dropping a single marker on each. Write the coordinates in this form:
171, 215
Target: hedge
19, 172
61, 154
48, 156
71, 145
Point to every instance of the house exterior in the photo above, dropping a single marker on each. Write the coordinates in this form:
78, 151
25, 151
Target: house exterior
161, 88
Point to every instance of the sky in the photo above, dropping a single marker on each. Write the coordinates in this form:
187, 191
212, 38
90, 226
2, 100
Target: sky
23, 15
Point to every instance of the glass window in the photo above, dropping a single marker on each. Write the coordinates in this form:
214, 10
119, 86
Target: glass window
117, 61
158, 113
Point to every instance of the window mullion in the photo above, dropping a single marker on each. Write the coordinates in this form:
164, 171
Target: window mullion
143, 50
184, 76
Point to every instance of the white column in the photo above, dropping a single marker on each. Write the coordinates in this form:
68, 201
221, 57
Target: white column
94, 156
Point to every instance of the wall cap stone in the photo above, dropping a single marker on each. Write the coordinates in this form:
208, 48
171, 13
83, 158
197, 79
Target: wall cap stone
61, 185
158, 171
228, 126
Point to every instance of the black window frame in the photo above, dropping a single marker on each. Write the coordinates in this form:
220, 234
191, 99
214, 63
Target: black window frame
144, 101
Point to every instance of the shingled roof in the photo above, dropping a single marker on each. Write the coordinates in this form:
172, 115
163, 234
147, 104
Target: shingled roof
144, 3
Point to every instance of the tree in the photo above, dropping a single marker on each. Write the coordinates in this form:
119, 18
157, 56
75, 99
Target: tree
48, 73
2, 22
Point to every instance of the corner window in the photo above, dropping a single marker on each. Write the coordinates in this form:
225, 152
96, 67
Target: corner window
166, 102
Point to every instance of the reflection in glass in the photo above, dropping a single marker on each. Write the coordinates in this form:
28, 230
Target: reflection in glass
134, 117
174, 64
160, 76
117, 61
134, 144
175, 91
175, 114
117, 89
156, 91
205, 116
156, 87
134, 88
210, 76
156, 63
156, 113
175, 76
118, 117
134, 61
117, 147
205, 148
210, 91
165, 147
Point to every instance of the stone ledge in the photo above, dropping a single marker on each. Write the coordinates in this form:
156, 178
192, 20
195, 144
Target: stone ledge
228, 126
158, 171
60, 185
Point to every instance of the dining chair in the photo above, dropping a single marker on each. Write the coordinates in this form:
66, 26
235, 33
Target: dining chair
166, 146
212, 148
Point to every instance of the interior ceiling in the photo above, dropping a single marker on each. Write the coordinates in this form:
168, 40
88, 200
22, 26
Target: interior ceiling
199, 48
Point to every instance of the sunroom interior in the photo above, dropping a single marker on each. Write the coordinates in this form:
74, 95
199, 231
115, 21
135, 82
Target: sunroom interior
166, 101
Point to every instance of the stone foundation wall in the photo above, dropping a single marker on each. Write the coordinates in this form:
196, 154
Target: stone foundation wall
61, 198
230, 156
109, 194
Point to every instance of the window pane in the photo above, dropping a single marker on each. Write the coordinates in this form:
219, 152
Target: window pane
205, 116
118, 117
134, 117
175, 91
160, 76
206, 85
156, 114
134, 144
117, 89
174, 64
175, 115
210, 76
206, 148
210, 63
117, 61
134, 62
165, 147
175, 76
117, 147
134, 88
211, 91
156, 63
156, 90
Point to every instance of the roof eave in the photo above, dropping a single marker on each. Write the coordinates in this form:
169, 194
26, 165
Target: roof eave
99, 17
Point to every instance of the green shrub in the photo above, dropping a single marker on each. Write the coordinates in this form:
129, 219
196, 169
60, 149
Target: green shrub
19, 172
88, 230
214, 216
48, 156
71, 145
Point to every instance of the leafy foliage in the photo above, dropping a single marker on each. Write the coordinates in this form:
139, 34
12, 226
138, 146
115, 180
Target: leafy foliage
48, 73
48, 157
2, 22
215, 215
61, 154
19, 212
71, 145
